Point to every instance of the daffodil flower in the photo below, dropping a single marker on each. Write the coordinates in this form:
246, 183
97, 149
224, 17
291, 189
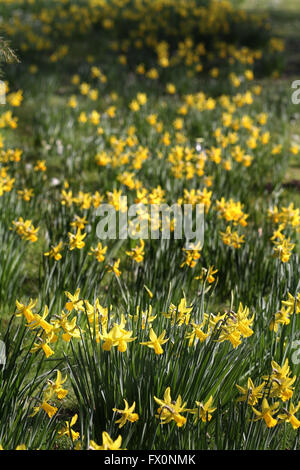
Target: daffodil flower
250, 393
26, 310
266, 413
56, 388
170, 410
156, 341
126, 414
288, 416
203, 410
107, 443
67, 429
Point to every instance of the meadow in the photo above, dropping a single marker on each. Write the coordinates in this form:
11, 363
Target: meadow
140, 343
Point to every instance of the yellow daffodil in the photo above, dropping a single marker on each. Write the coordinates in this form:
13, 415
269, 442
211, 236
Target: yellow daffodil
266, 413
107, 443
203, 410
156, 341
170, 410
126, 414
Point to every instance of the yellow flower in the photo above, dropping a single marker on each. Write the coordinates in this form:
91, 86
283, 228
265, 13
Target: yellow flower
152, 74
235, 325
197, 333
283, 249
294, 149
79, 222
266, 413
72, 102
170, 410
146, 317
82, 117
26, 310
140, 69
40, 165
56, 388
26, 230
134, 105
127, 414
84, 88
76, 240
111, 111
75, 79
250, 393
142, 98
191, 256
41, 322
207, 275
156, 342
117, 200
170, 87
203, 410
148, 291
281, 317
107, 443
49, 409
70, 328
95, 116
179, 314
242, 322
249, 74
280, 381
25, 194
99, 252
67, 198
289, 416
232, 239
21, 447
43, 344
55, 252
137, 253
117, 336
67, 429
114, 268
214, 72
292, 303
15, 99
75, 301
230, 333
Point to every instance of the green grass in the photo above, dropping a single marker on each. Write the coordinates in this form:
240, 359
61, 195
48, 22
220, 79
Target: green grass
271, 5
